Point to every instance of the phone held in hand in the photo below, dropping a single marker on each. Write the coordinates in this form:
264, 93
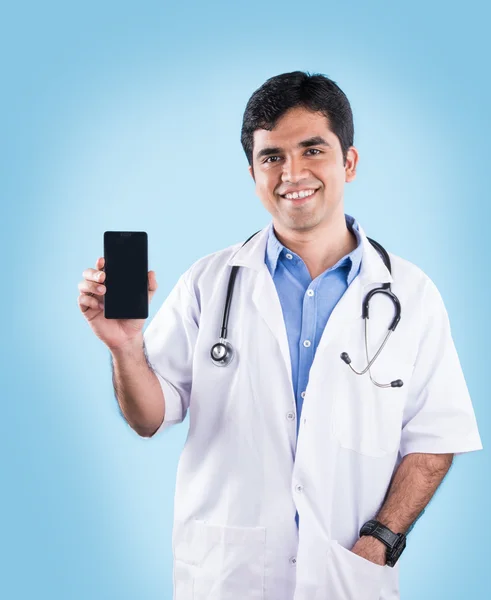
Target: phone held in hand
126, 268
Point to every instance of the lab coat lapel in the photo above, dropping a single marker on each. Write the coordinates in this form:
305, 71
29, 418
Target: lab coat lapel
267, 302
347, 310
373, 272
264, 294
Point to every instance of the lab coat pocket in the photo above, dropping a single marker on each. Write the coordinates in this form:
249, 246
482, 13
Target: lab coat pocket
230, 562
352, 577
185, 559
367, 418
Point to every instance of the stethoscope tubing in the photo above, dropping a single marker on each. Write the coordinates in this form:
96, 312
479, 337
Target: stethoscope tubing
222, 352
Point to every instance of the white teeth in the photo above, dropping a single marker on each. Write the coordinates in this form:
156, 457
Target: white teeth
302, 194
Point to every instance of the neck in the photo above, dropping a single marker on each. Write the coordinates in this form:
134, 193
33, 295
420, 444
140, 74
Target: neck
320, 248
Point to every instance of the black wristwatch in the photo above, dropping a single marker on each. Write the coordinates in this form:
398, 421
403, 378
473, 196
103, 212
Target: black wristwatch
395, 542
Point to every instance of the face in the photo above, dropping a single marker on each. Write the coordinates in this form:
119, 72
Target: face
301, 154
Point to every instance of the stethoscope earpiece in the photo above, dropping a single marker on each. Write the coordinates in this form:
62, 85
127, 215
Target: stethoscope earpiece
345, 357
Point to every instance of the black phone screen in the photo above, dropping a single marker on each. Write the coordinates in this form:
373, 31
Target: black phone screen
126, 268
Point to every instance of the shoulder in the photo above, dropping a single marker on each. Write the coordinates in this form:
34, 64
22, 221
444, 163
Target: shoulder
406, 270
414, 282
208, 268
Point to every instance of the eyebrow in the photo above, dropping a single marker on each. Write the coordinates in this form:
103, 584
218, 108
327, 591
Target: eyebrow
317, 140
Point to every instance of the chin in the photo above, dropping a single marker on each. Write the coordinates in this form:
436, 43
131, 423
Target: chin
301, 222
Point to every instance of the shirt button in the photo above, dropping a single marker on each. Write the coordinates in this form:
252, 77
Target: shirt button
310, 292
298, 488
289, 256
302, 394
306, 343
293, 560
290, 416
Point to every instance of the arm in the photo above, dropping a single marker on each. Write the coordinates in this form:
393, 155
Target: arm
438, 422
137, 388
413, 485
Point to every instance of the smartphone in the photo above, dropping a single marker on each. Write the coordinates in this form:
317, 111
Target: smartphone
126, 268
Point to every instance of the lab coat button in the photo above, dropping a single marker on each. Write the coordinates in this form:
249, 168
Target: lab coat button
290, 416
293, 560
298, 488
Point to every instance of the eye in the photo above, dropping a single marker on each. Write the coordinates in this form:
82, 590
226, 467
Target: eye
309, 150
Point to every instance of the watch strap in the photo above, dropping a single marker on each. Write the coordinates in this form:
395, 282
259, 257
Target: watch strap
381, 532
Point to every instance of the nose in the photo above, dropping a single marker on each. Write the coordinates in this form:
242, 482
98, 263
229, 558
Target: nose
293, 170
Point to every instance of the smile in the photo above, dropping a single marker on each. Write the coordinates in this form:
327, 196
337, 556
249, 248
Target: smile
296, 199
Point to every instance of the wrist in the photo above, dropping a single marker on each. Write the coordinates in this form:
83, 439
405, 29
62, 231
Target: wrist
130, 348
392, 523
371, 549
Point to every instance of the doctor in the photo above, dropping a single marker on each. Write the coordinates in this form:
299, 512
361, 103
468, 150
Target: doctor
299, 478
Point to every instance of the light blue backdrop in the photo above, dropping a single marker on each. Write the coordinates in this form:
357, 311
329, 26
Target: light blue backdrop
122, 116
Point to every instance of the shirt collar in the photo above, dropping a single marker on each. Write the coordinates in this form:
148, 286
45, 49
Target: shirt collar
275, 250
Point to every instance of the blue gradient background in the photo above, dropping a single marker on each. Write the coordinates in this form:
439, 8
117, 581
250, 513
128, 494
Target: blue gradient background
127, 116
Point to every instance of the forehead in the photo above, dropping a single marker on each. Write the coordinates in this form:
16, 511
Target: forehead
294, 126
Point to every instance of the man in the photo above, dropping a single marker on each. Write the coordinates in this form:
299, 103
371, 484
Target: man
289, 453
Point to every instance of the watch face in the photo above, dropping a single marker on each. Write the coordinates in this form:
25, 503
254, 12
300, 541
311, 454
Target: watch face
368, 528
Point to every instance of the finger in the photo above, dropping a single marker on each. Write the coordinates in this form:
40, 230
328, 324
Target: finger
152, 281
99, 263
87, 302
92, 288
94, 275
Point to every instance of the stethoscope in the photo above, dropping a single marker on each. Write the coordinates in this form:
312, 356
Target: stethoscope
222, 352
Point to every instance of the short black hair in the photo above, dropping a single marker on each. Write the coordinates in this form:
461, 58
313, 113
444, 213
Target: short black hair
279, 94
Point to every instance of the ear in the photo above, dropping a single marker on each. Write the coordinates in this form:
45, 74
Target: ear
251, 171
351, 163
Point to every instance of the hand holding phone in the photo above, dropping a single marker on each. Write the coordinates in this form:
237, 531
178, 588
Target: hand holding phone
116, 287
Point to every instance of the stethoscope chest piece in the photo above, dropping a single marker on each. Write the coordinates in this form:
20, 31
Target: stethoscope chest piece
222, 353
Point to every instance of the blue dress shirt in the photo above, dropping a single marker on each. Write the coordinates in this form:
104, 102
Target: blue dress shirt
306, 303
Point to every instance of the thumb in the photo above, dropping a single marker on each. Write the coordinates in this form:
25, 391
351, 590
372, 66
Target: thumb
152, 284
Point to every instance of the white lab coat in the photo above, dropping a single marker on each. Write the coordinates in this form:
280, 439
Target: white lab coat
242, 475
